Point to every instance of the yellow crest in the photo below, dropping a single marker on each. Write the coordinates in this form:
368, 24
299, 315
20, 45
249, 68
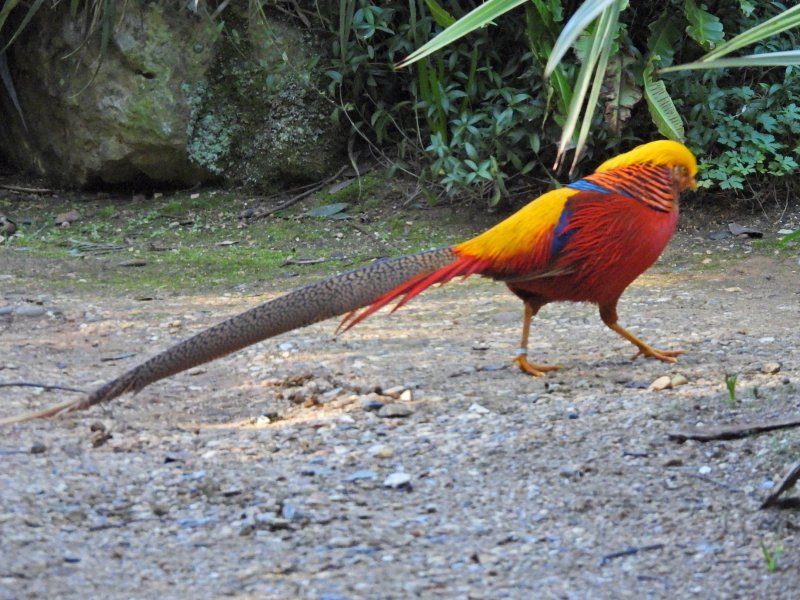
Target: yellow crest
661, 152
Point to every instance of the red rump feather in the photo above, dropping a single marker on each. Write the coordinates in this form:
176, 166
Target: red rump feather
464, 266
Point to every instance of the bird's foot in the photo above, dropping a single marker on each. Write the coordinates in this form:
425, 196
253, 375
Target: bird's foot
669, 356
536, 370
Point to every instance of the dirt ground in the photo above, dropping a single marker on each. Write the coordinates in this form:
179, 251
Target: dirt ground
291, 470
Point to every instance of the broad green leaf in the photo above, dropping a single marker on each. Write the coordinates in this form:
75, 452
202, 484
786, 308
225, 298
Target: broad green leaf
747, 7
788, 19
32, 10
606, 29
704, 28
582, 18
664, 37
8, 6
439, 14
8, 84
347, 9
765, 59
477, 18
662, 109
620, 91
328, 210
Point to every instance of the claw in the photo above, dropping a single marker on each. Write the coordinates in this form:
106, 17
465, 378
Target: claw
535, 370
669, 356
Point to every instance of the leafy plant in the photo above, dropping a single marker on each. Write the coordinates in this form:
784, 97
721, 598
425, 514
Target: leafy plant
704, 28
730, 383
771, 557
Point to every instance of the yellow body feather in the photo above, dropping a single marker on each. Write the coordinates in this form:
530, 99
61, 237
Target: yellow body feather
520, 233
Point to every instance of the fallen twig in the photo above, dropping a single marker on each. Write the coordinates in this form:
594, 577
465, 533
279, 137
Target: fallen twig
47, 387
25, 190
786, 484
732, 432
628, 552
311, 261
260, 214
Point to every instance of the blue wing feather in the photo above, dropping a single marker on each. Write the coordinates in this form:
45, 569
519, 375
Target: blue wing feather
587, 186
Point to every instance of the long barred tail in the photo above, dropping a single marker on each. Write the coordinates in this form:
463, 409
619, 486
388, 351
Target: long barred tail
337, 295
463, 266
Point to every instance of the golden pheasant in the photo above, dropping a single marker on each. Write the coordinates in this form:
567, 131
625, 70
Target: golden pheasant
585, 242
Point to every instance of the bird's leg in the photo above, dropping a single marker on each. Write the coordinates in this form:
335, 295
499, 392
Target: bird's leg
521, 359
608, 313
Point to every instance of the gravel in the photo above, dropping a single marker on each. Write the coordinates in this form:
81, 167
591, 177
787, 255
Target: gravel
289, 470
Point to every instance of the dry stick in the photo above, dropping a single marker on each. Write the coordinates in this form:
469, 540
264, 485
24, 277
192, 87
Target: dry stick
788, 482
45, 386
732, 432
311, 261
26, 190
300, 196
628, 552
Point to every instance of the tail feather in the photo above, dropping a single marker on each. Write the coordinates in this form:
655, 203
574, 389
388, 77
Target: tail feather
337, 295
407, 290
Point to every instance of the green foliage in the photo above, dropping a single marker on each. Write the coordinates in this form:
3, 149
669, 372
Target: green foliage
730, 383
771, 557
478, 110
597, 30
745, 126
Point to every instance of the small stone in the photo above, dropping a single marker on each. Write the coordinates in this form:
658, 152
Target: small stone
395, 410
673, 462
394, 392
68, 217
662, 383
29, 310
99, 438
371, 402
38, 448
397, 480
381, 451
785, 231
771, 368
362, 474
477, 408
678, 380
341, 541
704, 470
406, 396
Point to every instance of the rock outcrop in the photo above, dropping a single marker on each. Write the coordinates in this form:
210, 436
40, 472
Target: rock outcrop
175, 100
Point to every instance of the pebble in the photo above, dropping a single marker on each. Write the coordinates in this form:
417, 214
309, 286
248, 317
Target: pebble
678, 380
38, 448
704, 470
381, 451
397, 480
362, 474
29, 310
395, 410
662, 383
771, 368
394, 391
371, 402
477, 408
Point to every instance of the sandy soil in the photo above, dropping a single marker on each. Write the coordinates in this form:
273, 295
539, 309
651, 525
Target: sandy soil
270, 473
